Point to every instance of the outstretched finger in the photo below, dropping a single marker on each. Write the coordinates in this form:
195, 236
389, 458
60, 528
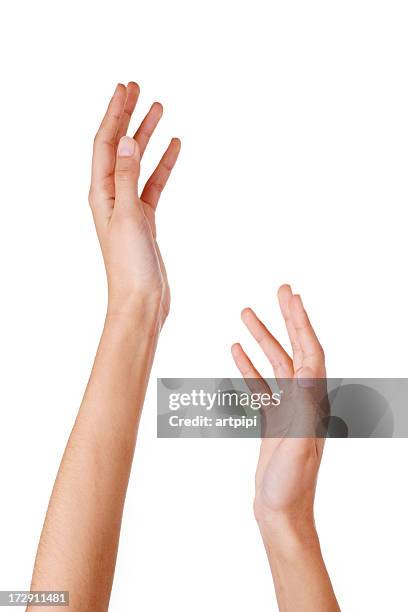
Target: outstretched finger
156, 183
313, 355
273, 421
132, 95
285, 296
254, 380
278, 357
148, 125
103, 160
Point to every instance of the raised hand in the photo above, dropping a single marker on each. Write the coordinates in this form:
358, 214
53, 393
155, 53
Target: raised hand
125, 221
288, 466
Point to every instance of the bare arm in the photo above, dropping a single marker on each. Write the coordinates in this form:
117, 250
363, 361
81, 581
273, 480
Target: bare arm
288, 466
297, 566
78, 545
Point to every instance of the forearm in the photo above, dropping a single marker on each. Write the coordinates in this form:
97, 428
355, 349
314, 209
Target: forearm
299, 573
78, 545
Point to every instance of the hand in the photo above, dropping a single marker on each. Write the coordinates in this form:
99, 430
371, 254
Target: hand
288, 466
125, 223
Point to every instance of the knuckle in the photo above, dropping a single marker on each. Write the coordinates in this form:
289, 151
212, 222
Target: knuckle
123, 175
167, 166
97, 139
92, 198
97, 195
126, 169
157, 186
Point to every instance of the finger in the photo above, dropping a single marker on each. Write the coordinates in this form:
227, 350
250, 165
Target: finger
243, 363
127, 173
313, 355
284, 296
157, 181
148, 126
272, 422
132, 95
103, 160
254, 380
278, 357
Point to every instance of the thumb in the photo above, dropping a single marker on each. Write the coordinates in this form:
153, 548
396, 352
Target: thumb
127, 171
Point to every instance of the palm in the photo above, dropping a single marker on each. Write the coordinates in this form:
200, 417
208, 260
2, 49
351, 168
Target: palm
286, 472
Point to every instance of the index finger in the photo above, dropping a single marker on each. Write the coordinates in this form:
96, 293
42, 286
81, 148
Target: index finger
103, 160
278, 357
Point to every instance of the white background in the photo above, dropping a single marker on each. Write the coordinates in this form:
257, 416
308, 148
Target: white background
293, 120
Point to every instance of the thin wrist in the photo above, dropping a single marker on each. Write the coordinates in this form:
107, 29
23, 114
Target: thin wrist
140, 321
288, 534
145, 307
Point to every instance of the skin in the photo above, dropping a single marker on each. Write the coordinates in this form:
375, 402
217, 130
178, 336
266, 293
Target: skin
79, 540
286, 475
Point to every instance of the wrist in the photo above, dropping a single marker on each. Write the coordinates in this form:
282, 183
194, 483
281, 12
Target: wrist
287, 534
137, 319
144, 307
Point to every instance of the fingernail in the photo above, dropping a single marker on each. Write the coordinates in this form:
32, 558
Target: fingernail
126, 147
